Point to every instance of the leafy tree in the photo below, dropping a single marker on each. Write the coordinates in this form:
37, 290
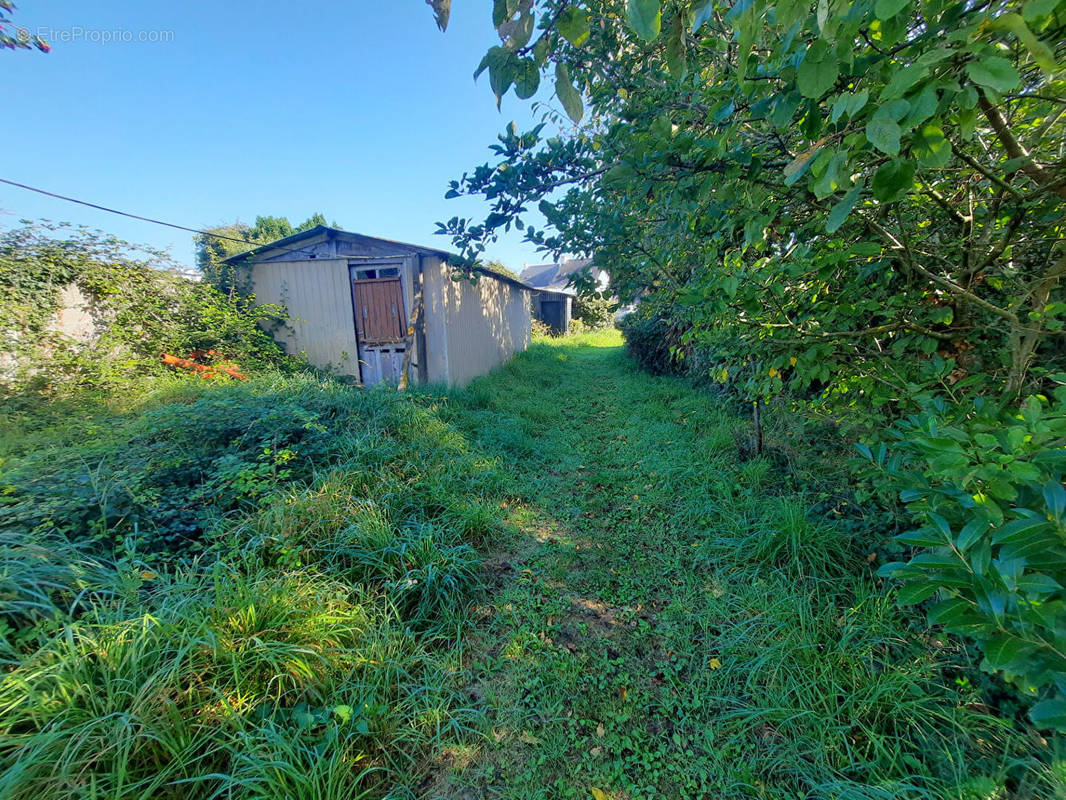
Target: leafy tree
238, 237
861, 203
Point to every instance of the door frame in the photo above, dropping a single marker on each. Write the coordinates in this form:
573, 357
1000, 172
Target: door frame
356, 265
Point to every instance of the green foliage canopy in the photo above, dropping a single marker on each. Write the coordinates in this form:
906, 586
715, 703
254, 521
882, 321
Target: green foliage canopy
238, 237
823, 184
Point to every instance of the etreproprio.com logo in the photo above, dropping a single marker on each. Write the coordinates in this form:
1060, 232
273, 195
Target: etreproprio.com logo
76, 33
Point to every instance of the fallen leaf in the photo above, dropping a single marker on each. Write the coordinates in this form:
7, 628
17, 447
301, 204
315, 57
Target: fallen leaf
529, 738
599, 794
714, 663
623, 692
600, 731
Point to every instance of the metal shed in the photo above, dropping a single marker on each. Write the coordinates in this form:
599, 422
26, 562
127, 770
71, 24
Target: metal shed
553, 303
555, 309
374, 308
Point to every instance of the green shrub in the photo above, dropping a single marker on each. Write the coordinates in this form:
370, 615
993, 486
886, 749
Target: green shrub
161, 475
653, 341
986, 487
141, 308
595, 311
539, 329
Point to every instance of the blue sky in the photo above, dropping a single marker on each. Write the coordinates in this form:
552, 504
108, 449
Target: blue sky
362, 110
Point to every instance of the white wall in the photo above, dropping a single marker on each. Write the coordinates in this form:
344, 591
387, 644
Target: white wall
318, 297
479, 325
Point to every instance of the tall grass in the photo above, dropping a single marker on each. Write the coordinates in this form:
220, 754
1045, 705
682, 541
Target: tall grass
298, 640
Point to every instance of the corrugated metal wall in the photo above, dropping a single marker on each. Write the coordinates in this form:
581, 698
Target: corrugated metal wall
481, 325
318, 297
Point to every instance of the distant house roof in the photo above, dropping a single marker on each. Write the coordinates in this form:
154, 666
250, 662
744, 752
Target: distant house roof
554, 277
295, 239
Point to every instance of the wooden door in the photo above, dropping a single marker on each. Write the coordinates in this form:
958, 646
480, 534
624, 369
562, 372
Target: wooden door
381, 364
379, 313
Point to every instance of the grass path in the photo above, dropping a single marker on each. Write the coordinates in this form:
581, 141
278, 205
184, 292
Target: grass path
666, 621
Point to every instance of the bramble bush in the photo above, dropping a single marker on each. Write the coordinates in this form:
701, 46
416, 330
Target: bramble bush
140, 305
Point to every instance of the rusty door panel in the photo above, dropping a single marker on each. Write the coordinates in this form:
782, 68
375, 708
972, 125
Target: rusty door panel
379, 315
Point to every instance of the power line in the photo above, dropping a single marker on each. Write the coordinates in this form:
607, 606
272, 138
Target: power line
253, 245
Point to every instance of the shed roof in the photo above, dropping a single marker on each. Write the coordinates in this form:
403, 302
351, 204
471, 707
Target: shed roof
318, 230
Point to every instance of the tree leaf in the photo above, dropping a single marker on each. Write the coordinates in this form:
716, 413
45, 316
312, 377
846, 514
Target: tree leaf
842, 209
442, 10
527, 78
971, 532
950, 613
1003, 651
931, 146
797, 166
502, 71
1041, 53
886, 9
493, 54
995, 72
702, 14
502, 10
645, 17
1035, 9
883, 133
834, 176
818, 72
516, 33
1049, 714
893, 180
1020, 531
902, 80
1055, 497
573, 25
677, 48
567, 94
913, 593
